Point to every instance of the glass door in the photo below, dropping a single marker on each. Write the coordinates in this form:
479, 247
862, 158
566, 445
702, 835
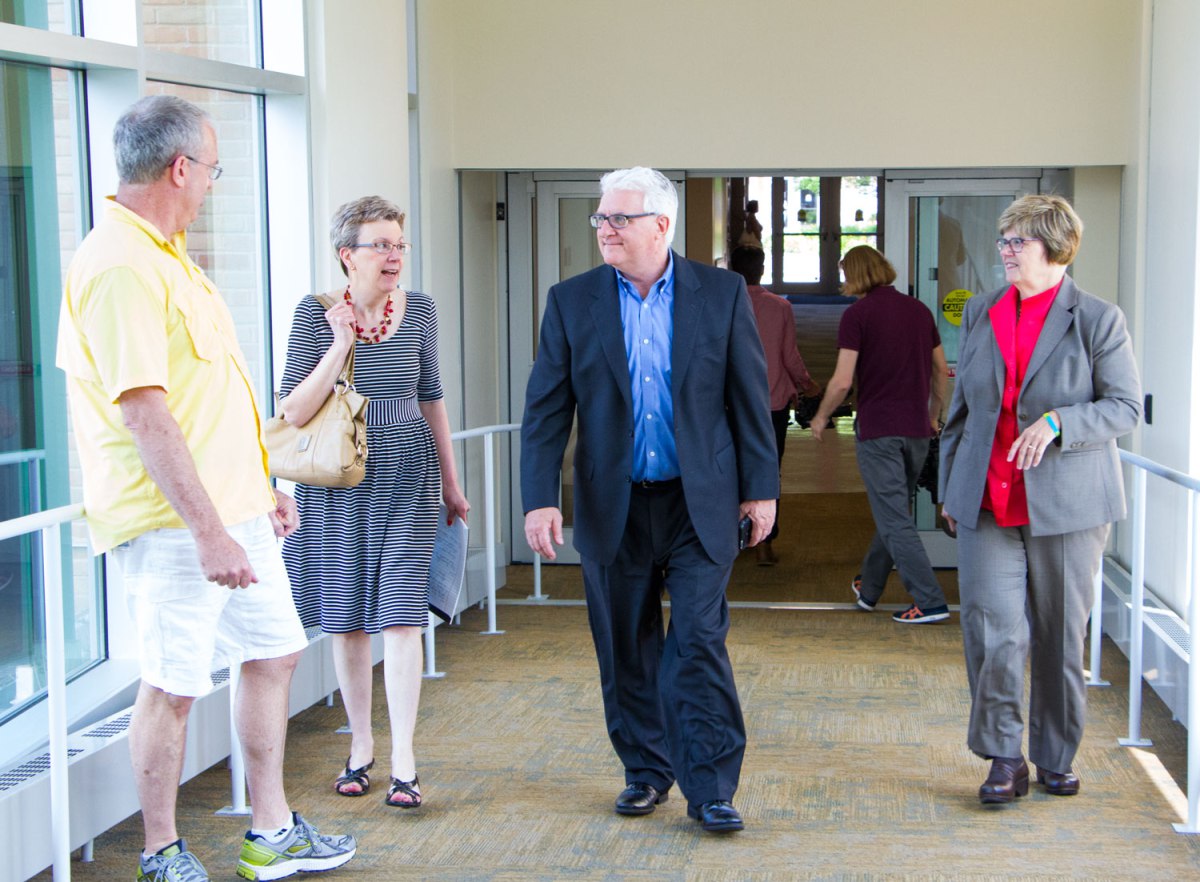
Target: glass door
941, 237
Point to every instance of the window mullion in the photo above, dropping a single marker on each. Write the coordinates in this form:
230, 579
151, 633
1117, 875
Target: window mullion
777, 192
831, 232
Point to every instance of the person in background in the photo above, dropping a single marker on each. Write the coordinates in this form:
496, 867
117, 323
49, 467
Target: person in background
888, 344
786, 373
360, 561
1031, 481
176, 490
658, 358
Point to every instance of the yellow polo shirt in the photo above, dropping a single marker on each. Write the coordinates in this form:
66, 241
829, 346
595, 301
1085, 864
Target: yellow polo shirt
137, 311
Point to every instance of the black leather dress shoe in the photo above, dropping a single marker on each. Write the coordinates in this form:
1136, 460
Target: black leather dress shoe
718, 816
1059, 783
1008, 779
639, 798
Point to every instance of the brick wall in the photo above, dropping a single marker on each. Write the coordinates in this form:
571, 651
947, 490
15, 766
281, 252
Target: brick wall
218, 29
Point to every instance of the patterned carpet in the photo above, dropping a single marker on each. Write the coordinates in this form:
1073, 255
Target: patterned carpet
855, 770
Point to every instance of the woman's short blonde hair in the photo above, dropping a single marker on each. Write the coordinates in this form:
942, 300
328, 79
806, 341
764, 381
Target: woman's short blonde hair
1049, 219
866, 268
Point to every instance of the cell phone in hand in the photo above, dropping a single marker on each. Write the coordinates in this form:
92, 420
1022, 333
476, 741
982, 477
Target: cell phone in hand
744, 527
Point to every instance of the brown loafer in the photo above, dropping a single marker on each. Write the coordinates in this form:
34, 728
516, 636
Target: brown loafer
1059, 783
1008, 779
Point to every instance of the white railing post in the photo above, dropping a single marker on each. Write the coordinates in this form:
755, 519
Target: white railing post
537, 579
489, 508
56, 699
1192, 825
431, 671
1137, 599
1097, 634
237, 763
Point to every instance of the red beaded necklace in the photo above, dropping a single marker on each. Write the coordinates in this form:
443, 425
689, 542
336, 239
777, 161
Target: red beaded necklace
380, 331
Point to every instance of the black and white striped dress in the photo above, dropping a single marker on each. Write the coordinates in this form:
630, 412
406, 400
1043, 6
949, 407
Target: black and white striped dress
360, 560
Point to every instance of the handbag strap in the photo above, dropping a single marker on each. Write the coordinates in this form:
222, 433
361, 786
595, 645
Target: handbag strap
329, 301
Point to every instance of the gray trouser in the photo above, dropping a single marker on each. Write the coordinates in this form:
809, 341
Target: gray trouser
1018, 589
889, 468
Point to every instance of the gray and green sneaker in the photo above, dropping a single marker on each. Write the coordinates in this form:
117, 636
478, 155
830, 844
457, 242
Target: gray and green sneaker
303, 850
172, 864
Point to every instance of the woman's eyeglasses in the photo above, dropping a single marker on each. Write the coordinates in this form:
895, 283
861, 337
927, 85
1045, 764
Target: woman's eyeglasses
1016, 243
382, 246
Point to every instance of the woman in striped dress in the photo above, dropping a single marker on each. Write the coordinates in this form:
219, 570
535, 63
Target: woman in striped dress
359, 564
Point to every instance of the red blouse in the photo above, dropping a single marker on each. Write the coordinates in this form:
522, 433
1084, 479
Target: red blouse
1016, 325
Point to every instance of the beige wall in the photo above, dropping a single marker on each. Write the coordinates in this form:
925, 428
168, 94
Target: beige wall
359, 139
440, 217
793, 83
1097, 199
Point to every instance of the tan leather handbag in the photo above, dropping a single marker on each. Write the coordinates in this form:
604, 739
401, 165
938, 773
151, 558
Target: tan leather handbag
330, 450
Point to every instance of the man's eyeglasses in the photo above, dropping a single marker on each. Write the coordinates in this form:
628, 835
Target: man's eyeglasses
382, 246
214, 171
617, 221
1016, 243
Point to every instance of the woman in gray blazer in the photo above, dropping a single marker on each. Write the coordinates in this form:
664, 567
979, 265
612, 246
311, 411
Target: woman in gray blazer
1031, 481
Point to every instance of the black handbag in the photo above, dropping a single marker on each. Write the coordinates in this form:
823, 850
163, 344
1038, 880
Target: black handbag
928, 478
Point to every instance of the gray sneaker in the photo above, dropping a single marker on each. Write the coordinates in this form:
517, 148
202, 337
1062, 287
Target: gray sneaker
173, 864
303, 850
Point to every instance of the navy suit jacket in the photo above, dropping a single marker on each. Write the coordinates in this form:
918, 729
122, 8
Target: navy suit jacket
723, 433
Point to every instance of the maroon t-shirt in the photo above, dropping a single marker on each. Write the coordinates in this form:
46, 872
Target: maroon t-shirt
894, 336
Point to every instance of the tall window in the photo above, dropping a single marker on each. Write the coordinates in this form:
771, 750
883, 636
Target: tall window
41, 216
809, 223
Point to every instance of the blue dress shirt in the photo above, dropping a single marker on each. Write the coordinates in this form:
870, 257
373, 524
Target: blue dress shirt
648, 331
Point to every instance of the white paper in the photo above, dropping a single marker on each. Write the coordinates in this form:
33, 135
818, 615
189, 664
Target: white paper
448, 567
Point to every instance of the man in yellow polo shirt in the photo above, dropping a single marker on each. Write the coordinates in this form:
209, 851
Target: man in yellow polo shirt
176, 489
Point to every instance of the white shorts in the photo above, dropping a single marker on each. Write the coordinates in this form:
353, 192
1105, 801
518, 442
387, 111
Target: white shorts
187, 626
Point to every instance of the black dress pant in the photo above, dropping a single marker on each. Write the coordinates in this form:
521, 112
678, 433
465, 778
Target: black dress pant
779, 422
670, 701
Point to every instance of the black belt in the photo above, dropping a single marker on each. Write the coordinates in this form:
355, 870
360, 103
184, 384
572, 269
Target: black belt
658, 485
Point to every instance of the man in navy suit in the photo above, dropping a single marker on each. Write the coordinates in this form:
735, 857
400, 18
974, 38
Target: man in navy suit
659, 359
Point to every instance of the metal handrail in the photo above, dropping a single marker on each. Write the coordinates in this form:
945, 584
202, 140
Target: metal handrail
19, 457
489, 505
50, 523
1142, 467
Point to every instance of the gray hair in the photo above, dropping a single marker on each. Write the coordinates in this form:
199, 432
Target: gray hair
349, 218
658, 193
153, 132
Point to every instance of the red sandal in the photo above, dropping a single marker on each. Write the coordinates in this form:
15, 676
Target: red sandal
354, 776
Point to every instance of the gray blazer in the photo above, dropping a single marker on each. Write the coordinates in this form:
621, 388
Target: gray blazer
1082, 367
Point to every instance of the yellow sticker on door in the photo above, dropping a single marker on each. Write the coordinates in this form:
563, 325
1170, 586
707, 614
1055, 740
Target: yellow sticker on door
953, 303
